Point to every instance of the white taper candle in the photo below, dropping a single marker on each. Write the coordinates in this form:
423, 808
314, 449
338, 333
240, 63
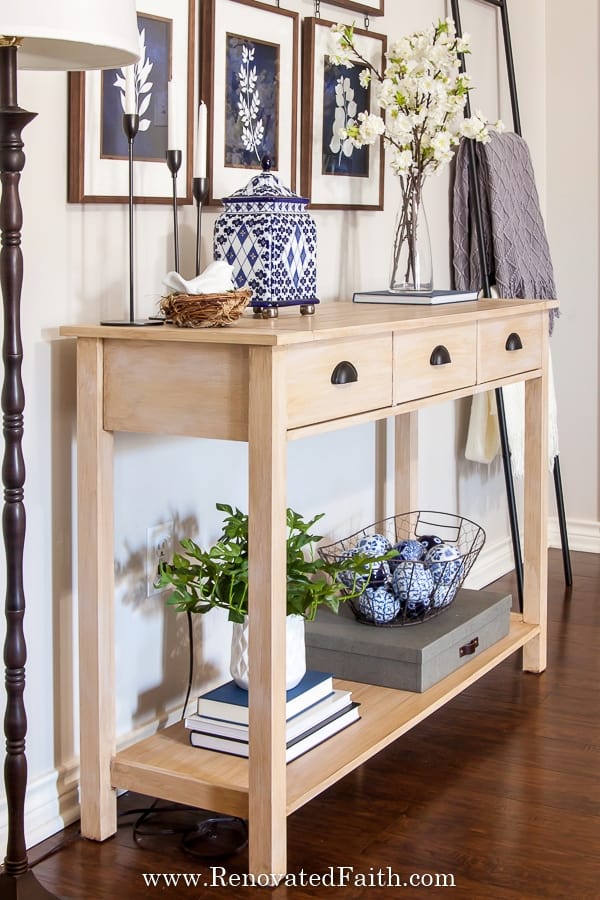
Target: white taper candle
172, 143
130, 104
200, 157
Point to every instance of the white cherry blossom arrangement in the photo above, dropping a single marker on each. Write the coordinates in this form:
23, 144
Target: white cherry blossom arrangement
422, 94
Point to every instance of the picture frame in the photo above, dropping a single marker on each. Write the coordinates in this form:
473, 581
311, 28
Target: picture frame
97, 147
332, 177
253, 113
367, 7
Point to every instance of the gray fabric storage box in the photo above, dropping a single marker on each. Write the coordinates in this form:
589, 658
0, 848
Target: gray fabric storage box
412, 657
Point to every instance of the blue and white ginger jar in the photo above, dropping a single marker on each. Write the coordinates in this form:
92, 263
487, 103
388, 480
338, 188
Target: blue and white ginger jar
267, 235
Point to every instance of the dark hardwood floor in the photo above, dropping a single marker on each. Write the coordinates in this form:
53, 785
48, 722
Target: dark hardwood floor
500, 789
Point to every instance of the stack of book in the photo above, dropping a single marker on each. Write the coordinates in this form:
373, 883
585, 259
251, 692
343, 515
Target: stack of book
314, 712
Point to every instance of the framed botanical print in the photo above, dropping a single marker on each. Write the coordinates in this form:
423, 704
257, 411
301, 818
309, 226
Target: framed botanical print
335, 175
368, 7
249, 81
98, 149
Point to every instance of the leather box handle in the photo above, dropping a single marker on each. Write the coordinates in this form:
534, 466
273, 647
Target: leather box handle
470, 648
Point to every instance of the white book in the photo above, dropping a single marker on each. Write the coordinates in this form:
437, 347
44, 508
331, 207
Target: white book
295, 726
294, 748
418, 298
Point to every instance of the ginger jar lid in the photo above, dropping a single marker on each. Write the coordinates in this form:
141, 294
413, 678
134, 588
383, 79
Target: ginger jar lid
264, 193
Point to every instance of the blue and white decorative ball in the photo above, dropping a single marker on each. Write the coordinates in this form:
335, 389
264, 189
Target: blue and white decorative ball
374, 544
351, 579
379, 572
410, 550
374, 573
379, 605
413, 585
445, 563
430, 540
444, 594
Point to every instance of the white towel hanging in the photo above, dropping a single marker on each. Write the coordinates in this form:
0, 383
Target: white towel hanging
483, 439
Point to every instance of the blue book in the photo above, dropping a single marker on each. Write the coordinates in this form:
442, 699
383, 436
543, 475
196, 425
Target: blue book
230, 702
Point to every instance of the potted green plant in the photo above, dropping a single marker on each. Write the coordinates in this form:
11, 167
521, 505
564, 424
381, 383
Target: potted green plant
201, 580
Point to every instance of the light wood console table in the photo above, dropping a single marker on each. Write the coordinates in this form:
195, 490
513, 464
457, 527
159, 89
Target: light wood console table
268, 382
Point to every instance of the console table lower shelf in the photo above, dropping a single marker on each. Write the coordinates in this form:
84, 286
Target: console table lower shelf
165, 765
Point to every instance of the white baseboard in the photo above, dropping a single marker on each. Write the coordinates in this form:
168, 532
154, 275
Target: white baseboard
52, 800
51, 803
494, 561
583, 534
497, 559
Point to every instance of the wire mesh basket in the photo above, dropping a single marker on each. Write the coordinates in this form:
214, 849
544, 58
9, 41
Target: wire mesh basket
420, 560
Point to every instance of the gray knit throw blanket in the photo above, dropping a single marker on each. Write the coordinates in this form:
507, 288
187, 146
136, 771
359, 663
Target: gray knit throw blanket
516, 246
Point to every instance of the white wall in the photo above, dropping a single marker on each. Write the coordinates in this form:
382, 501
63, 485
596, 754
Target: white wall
76, 271
573, 78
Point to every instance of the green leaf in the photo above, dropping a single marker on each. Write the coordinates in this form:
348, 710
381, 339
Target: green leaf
218, 577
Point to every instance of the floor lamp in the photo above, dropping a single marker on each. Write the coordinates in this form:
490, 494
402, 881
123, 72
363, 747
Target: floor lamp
39, 34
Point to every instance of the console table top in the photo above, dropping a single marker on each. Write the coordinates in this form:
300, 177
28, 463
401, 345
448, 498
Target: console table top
335, 319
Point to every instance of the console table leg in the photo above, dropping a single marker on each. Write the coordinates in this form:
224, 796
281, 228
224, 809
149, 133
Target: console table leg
406, 475
535, 571
96, 596
267, 458
381, 444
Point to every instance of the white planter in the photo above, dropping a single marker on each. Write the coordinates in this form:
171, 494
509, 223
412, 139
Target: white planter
295, 652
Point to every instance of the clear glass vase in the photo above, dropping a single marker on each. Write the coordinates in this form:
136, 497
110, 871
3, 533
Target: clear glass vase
412, 268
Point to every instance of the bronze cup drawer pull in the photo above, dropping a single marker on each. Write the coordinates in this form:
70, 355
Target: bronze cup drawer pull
344, 373
470, 648
440, 356
513, 342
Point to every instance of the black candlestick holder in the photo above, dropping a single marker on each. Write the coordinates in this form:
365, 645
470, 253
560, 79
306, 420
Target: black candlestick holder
200, 191
131, 124
174, 164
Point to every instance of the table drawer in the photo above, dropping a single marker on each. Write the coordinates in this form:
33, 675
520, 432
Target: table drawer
434, 361
511, 345
331, 379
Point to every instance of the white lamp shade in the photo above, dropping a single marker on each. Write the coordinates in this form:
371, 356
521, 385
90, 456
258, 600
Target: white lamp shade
72, 34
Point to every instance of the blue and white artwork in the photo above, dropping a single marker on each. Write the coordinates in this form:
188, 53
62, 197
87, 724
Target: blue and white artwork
343, 98
151, 79
251, 100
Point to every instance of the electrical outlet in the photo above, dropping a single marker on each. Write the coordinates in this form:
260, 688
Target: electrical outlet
159, 547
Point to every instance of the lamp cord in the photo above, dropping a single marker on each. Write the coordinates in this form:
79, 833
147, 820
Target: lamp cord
190, 662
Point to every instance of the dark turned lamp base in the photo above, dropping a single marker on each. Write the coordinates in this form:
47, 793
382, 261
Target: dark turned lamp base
23, 887
17, 882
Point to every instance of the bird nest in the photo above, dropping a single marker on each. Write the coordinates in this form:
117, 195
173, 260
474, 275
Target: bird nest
205, 310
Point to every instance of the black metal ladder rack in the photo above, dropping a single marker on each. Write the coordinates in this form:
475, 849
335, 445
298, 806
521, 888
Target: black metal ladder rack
474, 183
